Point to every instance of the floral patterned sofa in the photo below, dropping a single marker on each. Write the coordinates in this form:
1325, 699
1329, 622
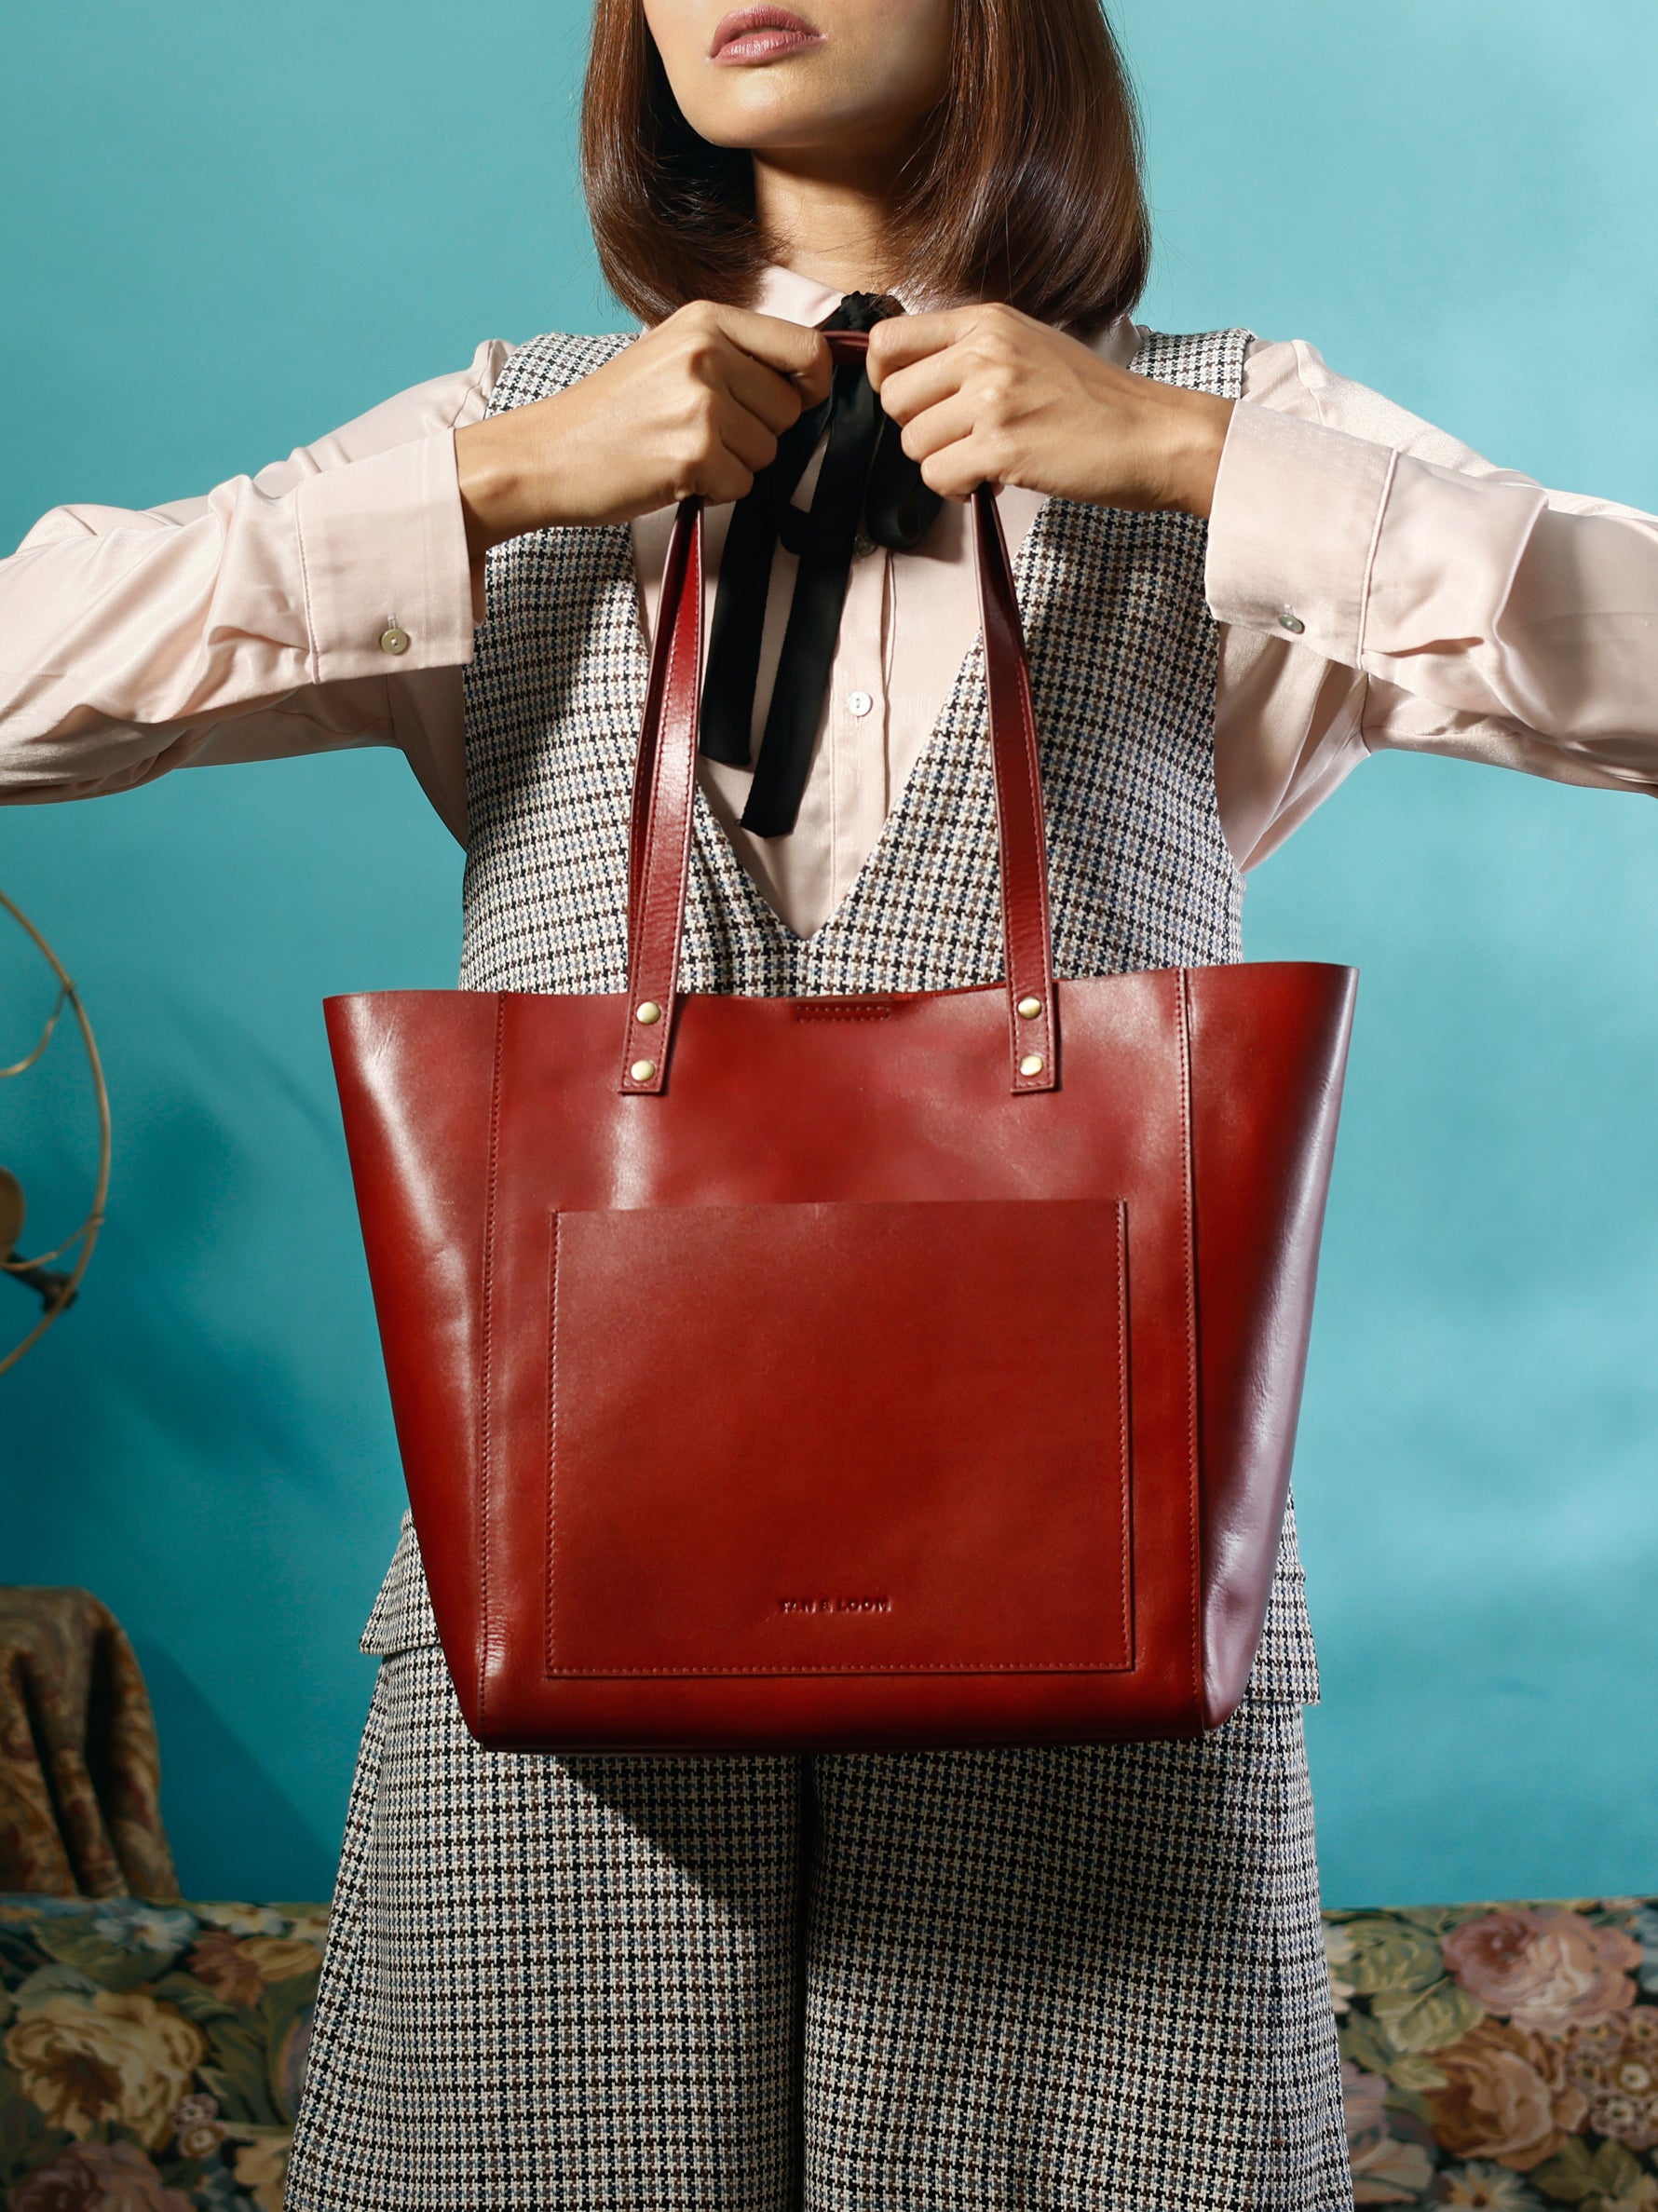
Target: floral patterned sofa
151, 2055
1497, 2055
1503, 2055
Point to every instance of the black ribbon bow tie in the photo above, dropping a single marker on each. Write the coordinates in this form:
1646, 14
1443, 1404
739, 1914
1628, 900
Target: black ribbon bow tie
867, 486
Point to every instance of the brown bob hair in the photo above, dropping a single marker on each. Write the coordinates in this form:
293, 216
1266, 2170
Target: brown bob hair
1025, 184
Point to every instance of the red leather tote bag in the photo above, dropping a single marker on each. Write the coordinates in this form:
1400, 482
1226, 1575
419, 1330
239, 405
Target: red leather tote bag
888, 1371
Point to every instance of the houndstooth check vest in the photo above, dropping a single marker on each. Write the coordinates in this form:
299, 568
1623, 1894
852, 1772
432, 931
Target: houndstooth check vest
1122, 677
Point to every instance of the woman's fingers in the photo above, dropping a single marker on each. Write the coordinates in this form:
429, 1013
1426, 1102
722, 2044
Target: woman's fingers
901, 339
741, 432
696, 405
957, 470
789, 349
773, 398
928, 433
921, 384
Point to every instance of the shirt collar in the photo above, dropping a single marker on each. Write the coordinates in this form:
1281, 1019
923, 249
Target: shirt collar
795, 298
803, 299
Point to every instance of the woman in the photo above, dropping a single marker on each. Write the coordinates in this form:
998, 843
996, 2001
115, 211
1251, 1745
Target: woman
928, 1983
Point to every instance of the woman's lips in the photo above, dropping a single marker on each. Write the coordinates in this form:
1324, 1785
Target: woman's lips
761, 35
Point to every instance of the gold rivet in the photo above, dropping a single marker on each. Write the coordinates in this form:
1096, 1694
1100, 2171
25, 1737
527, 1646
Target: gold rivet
1031, 1065
642, 1070
1030, 1008
647, 1011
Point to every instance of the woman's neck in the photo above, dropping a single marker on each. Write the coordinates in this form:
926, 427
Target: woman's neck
834, 228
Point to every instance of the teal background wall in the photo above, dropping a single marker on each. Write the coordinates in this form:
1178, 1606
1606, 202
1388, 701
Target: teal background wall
223, 229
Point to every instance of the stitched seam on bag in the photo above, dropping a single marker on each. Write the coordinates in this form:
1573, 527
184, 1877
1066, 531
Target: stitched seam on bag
552, 1417
485, 1368
1124, 1461
1001, 1666
1188, 1255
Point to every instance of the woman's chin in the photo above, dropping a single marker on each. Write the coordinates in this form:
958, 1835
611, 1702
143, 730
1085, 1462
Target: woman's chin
775, 123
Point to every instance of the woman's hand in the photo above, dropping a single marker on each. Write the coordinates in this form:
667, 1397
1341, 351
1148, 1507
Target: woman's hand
697, 404
987, 395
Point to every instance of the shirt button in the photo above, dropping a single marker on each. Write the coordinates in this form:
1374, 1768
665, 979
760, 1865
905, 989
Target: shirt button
1291, 622
394, 640
859, 703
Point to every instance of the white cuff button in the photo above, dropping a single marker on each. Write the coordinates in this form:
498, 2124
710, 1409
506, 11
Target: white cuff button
394, 640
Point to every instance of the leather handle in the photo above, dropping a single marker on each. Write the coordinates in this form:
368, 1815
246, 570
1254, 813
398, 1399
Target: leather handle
665, 789
663, 809
1027, 932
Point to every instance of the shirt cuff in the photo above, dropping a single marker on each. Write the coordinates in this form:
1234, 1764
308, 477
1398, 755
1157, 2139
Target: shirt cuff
383, 546
1293, 531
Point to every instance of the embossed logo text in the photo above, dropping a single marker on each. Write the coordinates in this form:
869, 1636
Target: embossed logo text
834, 1605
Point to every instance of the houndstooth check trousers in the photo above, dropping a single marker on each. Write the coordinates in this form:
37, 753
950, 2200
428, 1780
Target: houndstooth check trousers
1081, 1979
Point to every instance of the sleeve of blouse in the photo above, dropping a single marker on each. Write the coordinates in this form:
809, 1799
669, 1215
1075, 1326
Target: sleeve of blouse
249, 624
1481, 615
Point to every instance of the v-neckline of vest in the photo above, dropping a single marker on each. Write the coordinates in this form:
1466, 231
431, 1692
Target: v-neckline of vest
710, 832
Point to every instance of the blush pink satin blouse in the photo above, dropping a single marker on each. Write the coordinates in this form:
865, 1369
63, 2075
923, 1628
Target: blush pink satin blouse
1377, 585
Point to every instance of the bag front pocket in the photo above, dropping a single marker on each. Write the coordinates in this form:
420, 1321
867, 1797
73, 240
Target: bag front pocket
838, 1438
